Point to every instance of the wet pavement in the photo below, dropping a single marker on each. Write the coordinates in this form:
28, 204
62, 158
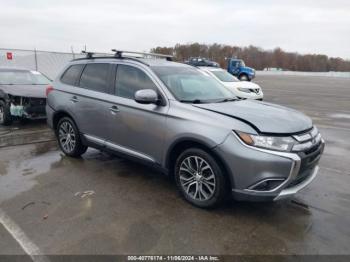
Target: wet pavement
25, 132
102, 204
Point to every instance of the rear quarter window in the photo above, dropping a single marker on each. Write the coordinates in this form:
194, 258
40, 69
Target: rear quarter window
72, 74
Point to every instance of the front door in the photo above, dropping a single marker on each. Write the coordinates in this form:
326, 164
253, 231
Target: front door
137, 129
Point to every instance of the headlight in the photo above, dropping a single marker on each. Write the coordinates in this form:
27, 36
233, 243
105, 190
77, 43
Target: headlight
242, 89
269, 142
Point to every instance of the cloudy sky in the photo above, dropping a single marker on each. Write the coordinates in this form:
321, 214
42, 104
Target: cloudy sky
319, 26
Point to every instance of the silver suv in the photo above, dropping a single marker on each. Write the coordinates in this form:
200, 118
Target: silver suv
174, 117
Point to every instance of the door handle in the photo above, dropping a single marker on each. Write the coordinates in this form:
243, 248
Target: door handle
114, 109
74, 99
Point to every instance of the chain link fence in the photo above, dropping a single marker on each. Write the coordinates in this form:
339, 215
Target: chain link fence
48, 63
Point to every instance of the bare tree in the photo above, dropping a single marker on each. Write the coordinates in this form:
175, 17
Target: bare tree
257, 57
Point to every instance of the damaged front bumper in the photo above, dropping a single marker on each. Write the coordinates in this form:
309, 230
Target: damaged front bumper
265, 175
28, 107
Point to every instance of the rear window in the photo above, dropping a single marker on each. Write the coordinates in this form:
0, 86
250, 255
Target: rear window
94, 77
72, 74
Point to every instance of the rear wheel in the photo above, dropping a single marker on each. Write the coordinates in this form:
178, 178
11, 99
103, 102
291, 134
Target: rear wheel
5, 114
200, 179
68, 137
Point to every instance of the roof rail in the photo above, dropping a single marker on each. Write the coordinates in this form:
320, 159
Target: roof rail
90, 54
119, 54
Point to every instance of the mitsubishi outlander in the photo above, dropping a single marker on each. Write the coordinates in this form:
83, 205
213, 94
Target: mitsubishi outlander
185, 123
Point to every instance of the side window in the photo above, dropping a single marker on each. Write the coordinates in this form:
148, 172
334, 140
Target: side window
95, 77
70, 76
130, 79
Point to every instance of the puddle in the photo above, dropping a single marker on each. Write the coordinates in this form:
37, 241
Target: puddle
18, 173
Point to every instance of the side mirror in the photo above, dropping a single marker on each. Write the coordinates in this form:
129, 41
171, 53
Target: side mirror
146, 96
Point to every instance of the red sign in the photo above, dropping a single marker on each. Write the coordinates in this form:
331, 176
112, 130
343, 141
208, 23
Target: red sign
9, 55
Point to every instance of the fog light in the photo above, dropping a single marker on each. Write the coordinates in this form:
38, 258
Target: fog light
267, 185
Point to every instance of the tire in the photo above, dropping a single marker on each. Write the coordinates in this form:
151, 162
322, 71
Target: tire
243, 77
5, 114
204, 187
66, 129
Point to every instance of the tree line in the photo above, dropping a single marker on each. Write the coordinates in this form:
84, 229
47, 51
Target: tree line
256, 57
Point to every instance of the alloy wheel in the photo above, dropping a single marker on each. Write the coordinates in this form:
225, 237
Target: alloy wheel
197, 178
67, 136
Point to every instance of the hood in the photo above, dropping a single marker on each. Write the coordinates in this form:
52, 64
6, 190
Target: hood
264, 117
248, 69
38, 91
244, 84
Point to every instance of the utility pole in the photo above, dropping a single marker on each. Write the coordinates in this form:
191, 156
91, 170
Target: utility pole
71, 48
36, 60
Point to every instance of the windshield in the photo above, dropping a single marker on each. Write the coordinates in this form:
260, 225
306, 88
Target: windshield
191, 85
18, 77
224, 76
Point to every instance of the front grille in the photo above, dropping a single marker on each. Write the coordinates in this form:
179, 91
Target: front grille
256, 91
309, 157
310, 160
307, 141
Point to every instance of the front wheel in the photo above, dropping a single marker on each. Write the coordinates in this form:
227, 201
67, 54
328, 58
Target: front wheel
5, 114
200, 179
69, 138
243, 77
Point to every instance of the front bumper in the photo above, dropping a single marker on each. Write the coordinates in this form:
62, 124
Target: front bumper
251, 76
251, 95
250, 167
29, 108
290, 191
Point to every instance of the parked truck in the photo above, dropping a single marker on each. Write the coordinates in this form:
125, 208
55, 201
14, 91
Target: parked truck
237, 68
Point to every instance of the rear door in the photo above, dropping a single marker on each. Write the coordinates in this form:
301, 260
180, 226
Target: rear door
91, 103
66, 90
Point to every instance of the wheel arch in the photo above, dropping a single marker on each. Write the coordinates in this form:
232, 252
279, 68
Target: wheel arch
58, 115
243, 74
182, 144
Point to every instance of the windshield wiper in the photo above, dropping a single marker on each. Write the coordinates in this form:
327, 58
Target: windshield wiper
195, 101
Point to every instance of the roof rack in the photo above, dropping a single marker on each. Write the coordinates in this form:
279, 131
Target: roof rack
88, 54
91, 54
119, 54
